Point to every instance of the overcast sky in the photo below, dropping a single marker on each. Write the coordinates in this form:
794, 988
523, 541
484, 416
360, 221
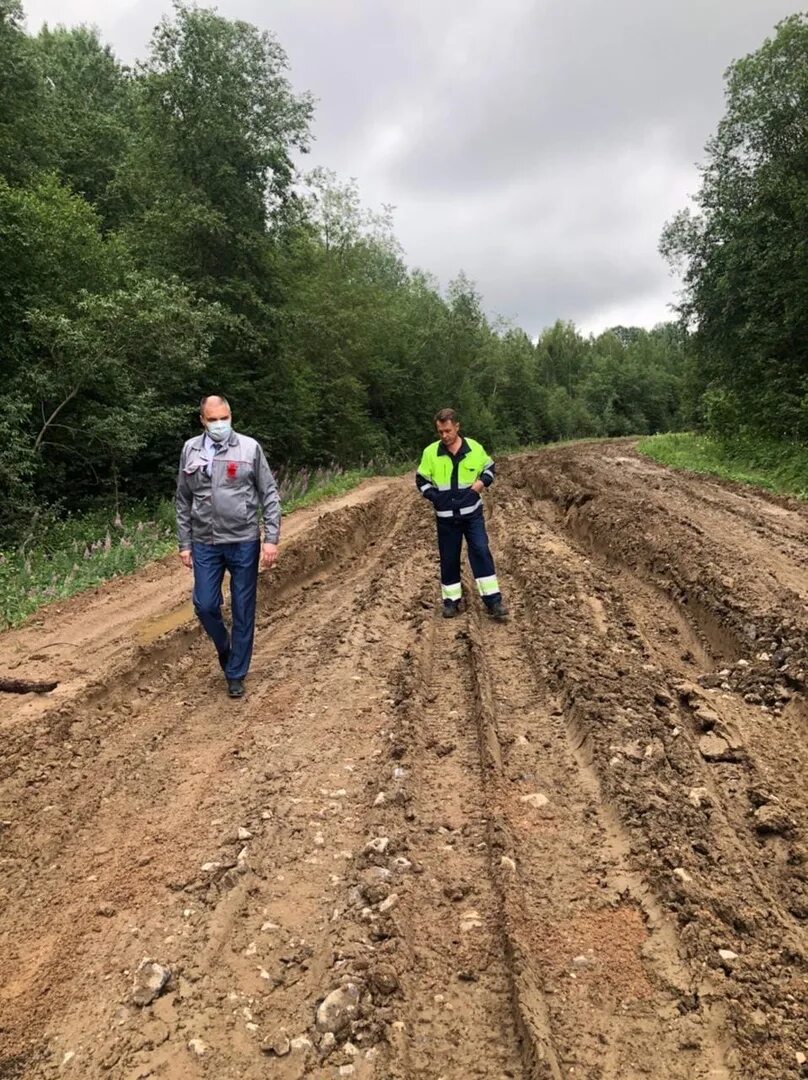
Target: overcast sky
539, 145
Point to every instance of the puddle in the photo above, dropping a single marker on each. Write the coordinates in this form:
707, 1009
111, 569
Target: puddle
151, 629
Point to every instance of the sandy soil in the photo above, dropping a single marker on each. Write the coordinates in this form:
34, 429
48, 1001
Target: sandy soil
571, 845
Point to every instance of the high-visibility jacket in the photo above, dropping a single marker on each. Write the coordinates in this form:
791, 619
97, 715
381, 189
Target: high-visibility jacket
445, 479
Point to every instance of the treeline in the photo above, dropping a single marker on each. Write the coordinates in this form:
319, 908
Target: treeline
157, 242
744, 251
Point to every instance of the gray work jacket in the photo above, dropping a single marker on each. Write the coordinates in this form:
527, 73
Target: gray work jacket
222, 507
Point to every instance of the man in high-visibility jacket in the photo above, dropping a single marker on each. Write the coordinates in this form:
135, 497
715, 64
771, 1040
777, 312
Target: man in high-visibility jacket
453, 473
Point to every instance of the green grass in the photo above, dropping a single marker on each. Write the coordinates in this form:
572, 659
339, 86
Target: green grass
68, 555
75, 553
776, 466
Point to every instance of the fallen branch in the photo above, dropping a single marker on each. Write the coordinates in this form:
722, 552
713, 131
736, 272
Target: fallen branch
25, 686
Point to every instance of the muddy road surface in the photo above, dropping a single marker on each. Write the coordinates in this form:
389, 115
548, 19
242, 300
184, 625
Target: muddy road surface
568, 846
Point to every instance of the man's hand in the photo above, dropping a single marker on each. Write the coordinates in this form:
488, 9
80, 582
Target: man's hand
269, 555
478, 486
186, 559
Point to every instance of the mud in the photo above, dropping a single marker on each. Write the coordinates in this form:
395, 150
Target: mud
572, 845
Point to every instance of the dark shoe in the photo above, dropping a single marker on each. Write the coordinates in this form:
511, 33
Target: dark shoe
235, 688
497, 610
451, 609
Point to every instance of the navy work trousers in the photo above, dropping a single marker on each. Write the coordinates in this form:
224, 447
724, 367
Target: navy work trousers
450, 540
210, 563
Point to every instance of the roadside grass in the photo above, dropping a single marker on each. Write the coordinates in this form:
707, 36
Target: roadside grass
65, 556
780, 467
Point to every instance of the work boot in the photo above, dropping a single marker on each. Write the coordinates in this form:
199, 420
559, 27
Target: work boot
451, 608
497, 609
235, 688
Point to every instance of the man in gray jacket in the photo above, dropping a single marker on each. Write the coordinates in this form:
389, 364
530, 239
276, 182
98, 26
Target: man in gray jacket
222, 482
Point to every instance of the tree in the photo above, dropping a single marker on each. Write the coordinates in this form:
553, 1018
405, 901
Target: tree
22, 86
88, 104
744, 251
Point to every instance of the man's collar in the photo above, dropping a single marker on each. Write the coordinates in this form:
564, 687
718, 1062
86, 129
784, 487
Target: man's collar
462, 449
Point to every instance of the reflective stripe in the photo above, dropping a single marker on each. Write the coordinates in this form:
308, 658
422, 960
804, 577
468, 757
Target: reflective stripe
463, 510
488, 464
448, 487
490, 472
426, 487
487, 585
451, 592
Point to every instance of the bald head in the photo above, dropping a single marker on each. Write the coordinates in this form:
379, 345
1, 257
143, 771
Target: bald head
214, 407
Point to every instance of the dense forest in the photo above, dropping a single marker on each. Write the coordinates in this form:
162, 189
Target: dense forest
159, 240
744, 251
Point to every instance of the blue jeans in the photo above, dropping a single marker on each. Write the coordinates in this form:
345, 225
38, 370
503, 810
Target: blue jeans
210, 563
450, 540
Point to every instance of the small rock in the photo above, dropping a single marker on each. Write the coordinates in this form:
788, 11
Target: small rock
389, 903
338, 1009
771, 818
244, 834
682, 874
507, 863
210, 867
727, 956
663, 698
380, 799
402, 865
302, 1043
698, 797
149, 982
536, 800
801, 1058
375, 875
714, 748
470, 920
328, 1042
583, 961
457, 890
278, 1045
707, 717
383, 979
378, 846
196, 1046
107, 910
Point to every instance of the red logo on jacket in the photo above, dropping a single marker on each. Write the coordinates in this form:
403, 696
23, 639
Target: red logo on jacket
232, 470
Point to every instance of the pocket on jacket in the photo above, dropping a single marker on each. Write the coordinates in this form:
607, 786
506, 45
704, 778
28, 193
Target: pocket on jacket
195, 476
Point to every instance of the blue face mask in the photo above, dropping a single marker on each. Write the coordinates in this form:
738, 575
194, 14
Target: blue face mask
219, 430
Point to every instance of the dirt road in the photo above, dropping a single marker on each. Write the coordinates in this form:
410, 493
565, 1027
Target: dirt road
573, 845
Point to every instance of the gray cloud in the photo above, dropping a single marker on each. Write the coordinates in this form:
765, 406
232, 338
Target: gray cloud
539, 146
